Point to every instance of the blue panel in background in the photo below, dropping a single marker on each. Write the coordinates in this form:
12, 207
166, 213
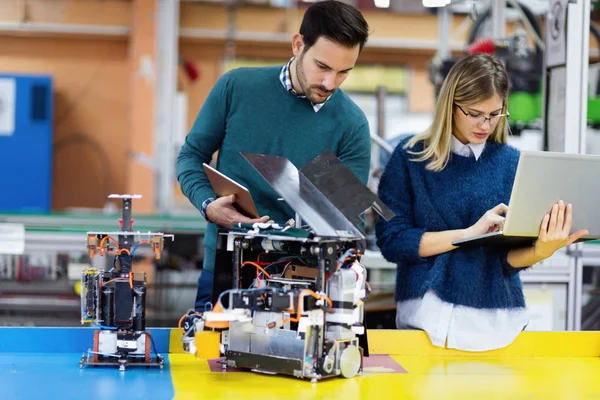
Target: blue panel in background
26, 136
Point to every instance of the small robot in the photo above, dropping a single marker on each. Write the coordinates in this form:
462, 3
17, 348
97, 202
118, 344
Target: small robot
287, 299
302, 314
115, 300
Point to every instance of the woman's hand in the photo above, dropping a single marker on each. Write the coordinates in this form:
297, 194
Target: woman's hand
491, 221
555, 229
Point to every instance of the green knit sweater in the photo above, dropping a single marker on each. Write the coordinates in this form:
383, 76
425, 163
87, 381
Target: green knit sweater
249, 110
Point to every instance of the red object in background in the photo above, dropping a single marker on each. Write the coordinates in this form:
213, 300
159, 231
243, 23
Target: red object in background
191, 70
482, 46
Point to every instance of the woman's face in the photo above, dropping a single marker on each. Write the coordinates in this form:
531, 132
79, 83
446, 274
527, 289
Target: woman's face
474, 123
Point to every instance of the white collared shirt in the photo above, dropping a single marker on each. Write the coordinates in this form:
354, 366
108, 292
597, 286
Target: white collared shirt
467, 150
461, 327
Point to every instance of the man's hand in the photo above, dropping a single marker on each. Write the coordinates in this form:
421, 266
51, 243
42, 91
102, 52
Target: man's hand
223, 213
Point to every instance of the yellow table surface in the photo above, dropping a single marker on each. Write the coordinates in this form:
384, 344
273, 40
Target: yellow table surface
538, 365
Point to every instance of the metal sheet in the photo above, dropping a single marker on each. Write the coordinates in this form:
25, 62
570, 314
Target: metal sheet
343, 189
303, 197
267, 364
285, 345
239, 338
264, 318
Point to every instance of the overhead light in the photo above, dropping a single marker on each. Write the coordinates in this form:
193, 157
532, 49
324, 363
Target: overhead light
382, 3
435, 3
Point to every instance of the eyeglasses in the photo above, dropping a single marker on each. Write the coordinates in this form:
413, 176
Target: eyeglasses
480, 118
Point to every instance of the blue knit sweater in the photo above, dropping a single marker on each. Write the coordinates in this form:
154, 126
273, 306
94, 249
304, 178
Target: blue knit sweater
454, 198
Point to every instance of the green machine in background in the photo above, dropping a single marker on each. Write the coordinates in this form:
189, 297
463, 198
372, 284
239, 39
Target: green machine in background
526, 110
524, 62
593, 111
526, 106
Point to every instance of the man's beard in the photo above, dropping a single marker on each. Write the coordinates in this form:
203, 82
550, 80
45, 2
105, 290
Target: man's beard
305, 87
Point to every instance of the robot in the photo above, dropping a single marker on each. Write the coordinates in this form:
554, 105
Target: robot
115, 300
289, 299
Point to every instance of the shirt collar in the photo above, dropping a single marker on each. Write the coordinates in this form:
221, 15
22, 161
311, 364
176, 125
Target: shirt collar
285, 76
467, 150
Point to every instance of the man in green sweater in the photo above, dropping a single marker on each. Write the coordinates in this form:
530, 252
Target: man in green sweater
295, 111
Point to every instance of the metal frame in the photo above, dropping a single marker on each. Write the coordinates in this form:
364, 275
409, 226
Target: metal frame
281, 351
167, 54
498, 19
577, 67
578, 46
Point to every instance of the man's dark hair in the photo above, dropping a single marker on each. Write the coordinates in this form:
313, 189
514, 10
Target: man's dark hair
336, 21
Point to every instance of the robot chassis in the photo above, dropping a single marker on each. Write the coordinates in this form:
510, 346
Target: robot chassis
307, 318
305, 321
115, 300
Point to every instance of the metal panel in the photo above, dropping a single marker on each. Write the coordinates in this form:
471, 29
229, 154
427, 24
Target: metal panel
284, 345
343, 189
239, 339
262, 363
302, 196
165, 149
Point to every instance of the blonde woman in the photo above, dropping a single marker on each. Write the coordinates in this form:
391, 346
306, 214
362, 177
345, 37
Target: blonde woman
454, 181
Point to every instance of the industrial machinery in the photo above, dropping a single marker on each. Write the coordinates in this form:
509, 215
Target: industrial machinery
288, 299
115, 300
523, 53
523, 60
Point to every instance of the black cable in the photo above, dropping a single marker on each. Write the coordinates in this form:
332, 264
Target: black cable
60, 119
93, 78
596, 33
81, 138
153, 344
474, 34
594, 30
524, 73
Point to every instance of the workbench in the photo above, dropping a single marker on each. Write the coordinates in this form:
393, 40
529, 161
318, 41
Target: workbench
43, 363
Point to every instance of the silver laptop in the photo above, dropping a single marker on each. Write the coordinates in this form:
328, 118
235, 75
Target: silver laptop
541, 180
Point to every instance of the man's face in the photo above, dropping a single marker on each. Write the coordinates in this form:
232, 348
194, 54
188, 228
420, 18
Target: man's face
321, 69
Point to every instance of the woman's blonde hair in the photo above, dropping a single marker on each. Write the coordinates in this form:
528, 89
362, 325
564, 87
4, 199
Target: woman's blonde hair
473, 79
